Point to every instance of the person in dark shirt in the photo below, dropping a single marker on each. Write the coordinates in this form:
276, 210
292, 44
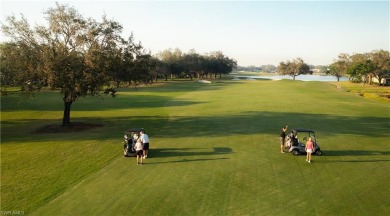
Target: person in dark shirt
283, 138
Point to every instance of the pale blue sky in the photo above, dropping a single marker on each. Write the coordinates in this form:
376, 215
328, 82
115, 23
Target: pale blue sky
252, 32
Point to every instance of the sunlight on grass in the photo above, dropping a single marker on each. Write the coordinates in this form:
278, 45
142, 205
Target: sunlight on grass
214, 151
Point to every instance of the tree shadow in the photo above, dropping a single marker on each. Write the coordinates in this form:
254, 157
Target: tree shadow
127, 98
339, 153
184, 160
353, 161
246, 123
186, 154
355, 153
258, 122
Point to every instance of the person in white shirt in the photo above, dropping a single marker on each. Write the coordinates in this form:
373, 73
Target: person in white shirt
145, 140
138, 147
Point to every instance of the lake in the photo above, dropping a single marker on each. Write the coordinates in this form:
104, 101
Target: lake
324, 78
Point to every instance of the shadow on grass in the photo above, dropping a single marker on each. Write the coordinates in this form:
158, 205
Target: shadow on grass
353, 161
257, 122
247, 123
184, 153
354, 153
127, 98
187, 160
339, 153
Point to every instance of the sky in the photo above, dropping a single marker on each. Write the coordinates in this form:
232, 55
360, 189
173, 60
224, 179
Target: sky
251, 32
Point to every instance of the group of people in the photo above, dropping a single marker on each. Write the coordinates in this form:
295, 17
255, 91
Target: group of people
141, 145
309, 148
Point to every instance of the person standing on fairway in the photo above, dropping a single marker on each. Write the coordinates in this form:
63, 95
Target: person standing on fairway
309, 149
283, 138
138, 147
145, 140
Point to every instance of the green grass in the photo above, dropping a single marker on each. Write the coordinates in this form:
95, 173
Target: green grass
214, 152
373, 92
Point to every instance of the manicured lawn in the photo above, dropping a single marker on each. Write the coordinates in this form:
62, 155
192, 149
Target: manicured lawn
214, 152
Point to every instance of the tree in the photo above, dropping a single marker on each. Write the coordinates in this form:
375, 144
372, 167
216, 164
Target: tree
11, 70
381, 62
157, 68
193, 63
293, 68
221, 63
20, 59
72, 54
361, 69
339, 66
268, 68
336, 69
172, 60
142, 66
127, 68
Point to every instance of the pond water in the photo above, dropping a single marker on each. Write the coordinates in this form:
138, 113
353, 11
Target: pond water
324, 78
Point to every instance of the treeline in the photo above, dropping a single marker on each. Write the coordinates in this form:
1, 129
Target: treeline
86, 52
191, 64
358, 67
362, 67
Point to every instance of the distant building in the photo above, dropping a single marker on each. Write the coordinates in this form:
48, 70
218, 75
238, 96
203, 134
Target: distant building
384, 81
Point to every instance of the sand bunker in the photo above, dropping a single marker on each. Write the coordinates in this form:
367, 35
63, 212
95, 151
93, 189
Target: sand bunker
204, 81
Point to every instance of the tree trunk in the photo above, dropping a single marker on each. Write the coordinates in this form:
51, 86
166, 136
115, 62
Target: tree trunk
66, 118
370, 79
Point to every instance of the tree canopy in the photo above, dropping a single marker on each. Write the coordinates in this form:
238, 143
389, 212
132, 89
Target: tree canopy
362, 67
293, 68
76, 55
193, 64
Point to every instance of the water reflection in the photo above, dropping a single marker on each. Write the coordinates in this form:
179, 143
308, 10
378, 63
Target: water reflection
324, 78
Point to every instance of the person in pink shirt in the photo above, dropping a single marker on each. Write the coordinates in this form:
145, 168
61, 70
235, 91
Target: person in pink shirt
309, 149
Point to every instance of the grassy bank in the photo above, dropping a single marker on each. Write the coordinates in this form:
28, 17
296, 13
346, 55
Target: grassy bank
214, 152
373, 92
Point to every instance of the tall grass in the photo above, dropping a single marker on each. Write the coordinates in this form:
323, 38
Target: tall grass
214, 152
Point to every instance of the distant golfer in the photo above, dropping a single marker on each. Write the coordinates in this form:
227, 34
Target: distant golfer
145, 140
283, 138
309, 149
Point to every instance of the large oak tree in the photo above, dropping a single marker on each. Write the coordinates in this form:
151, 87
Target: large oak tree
70, 53
293, 68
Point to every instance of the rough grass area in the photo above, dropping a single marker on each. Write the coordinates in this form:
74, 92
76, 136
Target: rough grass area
214, 151
373, 92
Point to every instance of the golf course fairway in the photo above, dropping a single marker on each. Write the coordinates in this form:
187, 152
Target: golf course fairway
214, 151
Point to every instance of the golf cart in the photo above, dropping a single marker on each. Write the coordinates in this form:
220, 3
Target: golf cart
130, 138
296, 147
